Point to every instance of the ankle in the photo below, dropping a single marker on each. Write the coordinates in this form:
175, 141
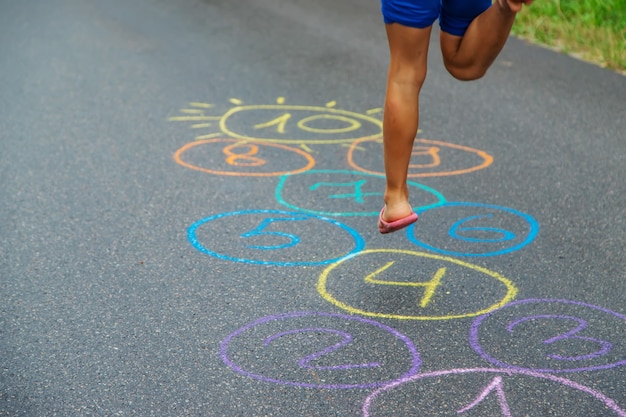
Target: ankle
396, 197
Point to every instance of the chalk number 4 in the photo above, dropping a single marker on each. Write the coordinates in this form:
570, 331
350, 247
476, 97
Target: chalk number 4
429, 287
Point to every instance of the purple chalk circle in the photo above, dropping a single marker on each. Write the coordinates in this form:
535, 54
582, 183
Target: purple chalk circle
498, 392
551, 336
320, 350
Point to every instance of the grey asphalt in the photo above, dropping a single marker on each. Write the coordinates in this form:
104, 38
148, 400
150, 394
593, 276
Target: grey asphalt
139, 276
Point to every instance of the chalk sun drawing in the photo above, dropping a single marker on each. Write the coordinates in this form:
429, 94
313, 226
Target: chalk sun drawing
282, 123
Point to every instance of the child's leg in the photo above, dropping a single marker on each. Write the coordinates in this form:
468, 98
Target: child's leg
408, 48
468, 56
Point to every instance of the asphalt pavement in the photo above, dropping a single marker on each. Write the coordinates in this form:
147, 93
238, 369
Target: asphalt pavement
190, 193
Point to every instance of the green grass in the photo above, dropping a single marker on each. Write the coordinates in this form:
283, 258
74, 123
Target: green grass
590, 29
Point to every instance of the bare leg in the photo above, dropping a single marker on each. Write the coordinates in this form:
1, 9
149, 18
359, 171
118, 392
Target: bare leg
407, 71
469, 56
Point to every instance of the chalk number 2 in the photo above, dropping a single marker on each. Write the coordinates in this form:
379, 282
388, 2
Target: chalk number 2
306, 361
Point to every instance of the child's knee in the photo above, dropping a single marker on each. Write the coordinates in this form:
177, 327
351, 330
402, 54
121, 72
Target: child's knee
468, 73
409, 77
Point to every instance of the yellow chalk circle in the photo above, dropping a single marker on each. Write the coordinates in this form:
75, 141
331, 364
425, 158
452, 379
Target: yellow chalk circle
430, 289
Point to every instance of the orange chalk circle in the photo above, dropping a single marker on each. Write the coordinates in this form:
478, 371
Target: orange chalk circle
246, 158
426, 159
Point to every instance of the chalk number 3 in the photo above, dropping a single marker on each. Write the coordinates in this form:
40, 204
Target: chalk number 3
605, 346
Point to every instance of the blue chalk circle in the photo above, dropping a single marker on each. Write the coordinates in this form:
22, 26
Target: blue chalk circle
488, 230
274, 237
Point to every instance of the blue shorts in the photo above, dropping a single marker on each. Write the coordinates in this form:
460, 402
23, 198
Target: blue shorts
454, 15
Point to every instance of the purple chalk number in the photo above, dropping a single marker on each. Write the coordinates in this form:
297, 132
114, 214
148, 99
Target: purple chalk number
591, 353
306, 361
488, 395
264, 350
497, 386
572, 334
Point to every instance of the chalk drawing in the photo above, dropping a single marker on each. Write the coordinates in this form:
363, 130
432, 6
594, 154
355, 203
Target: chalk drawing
497, 386
340, 193
429, 158
334, 351
283, 123
265, 351
258, 238
495, 231
346, 283
260, 230
346, 339
541, 404
583, 350
604, 346
242, 158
